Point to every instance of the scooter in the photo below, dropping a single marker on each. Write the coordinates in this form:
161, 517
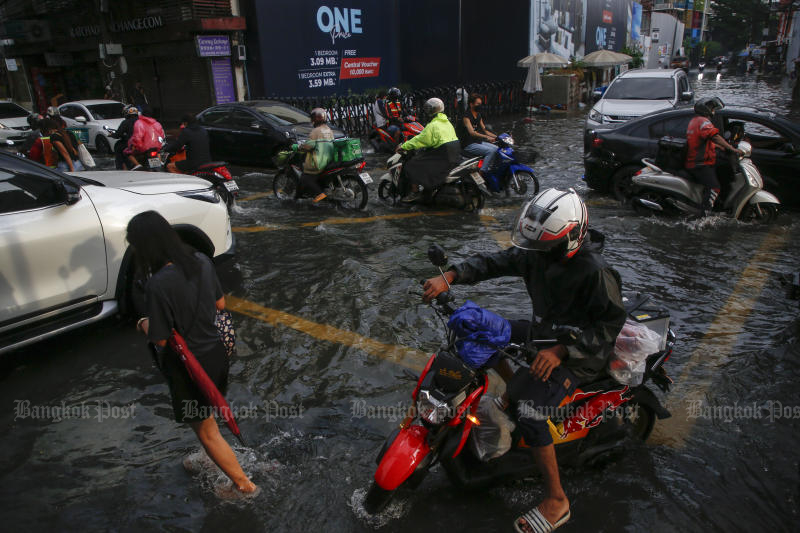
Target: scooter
658, 191
701, 66
463, 188
216, 172
344, 183
597, 421
509, 175
382, 141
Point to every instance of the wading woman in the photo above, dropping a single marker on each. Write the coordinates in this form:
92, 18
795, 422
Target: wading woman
183, 293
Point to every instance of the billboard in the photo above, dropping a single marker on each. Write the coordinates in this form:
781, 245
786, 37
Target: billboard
607, 24
323, 47
636, 22
558, 26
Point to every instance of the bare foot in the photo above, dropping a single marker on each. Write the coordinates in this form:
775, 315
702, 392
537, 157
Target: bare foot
553, 510
247, 487
233, 491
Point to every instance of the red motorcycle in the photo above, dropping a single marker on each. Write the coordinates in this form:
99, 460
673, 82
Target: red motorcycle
382, 141
216, 172
596, 421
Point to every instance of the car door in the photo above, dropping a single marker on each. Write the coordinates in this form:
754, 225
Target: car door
52, 255
248, 134
220, 137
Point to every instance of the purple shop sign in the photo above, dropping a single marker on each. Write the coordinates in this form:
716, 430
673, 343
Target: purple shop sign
213, 46
222, 76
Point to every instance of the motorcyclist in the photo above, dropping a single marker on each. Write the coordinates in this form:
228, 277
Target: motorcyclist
570, 284
476, 139
148, 134
194, 138
124, 133
430, 168
393, 112
702, 137
319, 150
32, 147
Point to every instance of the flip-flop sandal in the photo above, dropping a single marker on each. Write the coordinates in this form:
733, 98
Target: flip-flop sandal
538, 523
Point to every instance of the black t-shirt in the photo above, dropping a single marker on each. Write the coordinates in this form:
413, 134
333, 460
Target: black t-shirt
188, 305
462, 132
195, 138
55, 136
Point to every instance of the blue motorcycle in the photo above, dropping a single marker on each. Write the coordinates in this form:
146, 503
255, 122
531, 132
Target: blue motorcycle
508, 175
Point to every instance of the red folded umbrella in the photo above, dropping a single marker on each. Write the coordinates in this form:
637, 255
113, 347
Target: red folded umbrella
204, 383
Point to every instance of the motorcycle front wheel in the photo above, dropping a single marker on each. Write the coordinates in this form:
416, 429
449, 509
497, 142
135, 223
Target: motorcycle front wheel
522, 181
284, 185
377, 499
387, 192
761, 212
473, 198
356, 193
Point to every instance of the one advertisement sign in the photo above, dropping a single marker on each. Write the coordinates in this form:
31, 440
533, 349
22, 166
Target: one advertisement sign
636, 22
326, 47
213, 46
222, 77
607, 24
558, 27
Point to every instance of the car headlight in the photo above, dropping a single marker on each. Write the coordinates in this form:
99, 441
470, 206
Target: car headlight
205, 195
432, 410
595, 115
3, 126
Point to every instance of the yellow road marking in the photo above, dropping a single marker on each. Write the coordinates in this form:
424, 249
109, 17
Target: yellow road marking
401, 355
256, 229
394, 216
503, 237
255, 196
717, 344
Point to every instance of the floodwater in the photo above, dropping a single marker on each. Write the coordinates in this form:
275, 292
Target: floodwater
314, 288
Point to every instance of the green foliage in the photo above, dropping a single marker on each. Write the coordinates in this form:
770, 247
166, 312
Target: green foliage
735, 23
636, 56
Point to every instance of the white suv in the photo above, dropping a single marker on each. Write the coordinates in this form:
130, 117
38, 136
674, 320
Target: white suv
64, 260
638, 92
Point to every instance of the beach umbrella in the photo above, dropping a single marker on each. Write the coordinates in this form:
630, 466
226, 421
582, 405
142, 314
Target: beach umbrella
605, 58
204, 383
533, 81
543, 59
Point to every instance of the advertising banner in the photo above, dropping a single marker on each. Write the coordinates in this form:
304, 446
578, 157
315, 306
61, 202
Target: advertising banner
607, 24
222, 76
558, 27
636, 22
320, 48
213, 46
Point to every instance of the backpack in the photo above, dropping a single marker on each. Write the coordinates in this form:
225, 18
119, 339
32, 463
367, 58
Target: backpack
147, 135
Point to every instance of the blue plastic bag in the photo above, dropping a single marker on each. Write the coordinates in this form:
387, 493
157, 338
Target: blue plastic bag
479, 333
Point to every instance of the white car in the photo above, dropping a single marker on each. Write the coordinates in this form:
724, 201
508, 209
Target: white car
64, 260
93, 115
13, 123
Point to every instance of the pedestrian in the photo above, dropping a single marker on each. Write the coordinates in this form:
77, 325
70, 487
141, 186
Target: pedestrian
140, 97
64, 142
183, 293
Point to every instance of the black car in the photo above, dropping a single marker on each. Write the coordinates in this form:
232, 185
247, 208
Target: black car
615, 154
252, 132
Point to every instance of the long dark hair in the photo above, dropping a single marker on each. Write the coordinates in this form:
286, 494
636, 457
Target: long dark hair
156, 244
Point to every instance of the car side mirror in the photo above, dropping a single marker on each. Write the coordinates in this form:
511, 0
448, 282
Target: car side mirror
255, 126
81, 119
69, 192
437, 255
687, 96
596, 97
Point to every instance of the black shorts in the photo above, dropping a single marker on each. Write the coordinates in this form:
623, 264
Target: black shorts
705, 175
188, 403
531, 401
185, 166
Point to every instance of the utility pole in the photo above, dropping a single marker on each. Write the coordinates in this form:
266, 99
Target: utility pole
703, 24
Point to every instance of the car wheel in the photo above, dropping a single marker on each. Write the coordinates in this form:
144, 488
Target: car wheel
101, 145
622, 182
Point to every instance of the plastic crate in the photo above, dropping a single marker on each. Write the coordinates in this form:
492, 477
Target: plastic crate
346, 150
671, 153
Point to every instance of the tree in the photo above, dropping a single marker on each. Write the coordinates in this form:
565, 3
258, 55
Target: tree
735, 23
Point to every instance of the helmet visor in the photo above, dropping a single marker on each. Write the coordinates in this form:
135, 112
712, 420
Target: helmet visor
528, 233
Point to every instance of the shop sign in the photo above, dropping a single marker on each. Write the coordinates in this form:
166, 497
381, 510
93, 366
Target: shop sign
141, 23
222, 77
11, 64
84, 31
213, 46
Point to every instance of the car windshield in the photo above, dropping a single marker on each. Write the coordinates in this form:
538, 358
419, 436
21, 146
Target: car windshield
641, 89
106, 111
283, 114
11, 110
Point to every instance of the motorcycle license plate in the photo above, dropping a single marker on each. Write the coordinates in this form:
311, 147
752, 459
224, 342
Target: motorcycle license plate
476, 177
231, 186
365, 178
154, 162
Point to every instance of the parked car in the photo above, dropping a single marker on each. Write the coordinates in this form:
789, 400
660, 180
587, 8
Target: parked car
636, 93
64, 261
252, 132
681, 62
14, 127
616, 153
93, 115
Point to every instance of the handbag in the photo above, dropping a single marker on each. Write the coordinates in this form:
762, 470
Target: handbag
227, 333
86, 158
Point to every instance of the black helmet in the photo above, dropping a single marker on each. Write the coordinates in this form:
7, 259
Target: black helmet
35, 120
707, 106
394, 94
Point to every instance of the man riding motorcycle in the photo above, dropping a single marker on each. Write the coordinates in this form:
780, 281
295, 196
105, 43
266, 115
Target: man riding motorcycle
124, 133
702, 137
319, 151
393, 113
148, 134
194, 138
430, 168
570, 285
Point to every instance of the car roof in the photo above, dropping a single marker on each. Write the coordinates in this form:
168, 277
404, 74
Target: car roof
650, 73
742, 110
91, 102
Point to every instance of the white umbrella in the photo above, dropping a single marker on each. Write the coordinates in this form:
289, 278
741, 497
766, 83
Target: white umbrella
533, 81
543, 59
605, 58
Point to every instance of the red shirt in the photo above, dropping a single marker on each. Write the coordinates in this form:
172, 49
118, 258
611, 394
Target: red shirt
35, 153
698, 137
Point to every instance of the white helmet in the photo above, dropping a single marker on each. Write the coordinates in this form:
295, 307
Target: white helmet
549, 219
433, 106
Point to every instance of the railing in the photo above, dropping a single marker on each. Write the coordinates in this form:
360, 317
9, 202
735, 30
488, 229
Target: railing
354, 114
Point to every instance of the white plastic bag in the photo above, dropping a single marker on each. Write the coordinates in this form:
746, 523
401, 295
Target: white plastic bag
492, 438
85, 157
634, 343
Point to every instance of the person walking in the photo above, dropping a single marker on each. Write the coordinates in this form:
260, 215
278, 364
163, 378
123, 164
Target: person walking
140, 97
183, 293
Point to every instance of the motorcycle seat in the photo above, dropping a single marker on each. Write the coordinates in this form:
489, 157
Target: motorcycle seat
212, 165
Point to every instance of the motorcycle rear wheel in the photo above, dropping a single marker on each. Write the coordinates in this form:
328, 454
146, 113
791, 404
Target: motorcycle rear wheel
360, 193
284, 185
377, 499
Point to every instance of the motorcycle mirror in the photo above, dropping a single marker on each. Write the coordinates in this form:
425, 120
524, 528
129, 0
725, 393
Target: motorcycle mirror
437, 255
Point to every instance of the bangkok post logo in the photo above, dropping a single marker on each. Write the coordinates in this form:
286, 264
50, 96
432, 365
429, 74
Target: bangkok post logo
339, 23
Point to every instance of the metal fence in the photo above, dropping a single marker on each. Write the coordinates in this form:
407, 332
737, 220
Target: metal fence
354, 114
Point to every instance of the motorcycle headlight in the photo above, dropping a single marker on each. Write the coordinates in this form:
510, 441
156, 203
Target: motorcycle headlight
432, 410
509, 140
206, 195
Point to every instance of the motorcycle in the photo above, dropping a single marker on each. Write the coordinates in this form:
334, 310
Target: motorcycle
658, 191
463, 188
701, 66
594, 423
382, 141
508, 175
342, 182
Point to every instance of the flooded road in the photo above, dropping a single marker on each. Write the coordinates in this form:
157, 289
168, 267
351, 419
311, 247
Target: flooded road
329, 322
